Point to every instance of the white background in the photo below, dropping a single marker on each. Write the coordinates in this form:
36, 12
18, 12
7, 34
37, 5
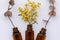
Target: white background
53, 27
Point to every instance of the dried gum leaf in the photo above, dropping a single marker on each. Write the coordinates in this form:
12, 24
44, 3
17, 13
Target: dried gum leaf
8, 13
53, 13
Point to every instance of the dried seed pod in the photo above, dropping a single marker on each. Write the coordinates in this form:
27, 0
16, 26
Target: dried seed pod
51, 1
16, 34
42, 34
8, 13
11, 2
52, 13
52, 7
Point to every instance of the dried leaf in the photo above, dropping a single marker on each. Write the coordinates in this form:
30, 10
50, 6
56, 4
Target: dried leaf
52, 7
53, 13
11, 2
8, 13
20, 15
35, 22
45, 21
51, 1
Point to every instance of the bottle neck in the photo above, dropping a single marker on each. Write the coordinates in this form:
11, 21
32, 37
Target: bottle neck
29, 27
15, 30
43, 31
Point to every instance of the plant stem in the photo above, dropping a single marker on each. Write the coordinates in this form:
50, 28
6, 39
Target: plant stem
48, 21
11, 22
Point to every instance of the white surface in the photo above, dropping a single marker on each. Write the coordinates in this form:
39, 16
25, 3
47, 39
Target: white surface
53, 27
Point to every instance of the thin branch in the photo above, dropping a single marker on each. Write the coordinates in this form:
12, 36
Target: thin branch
11, 22
10, 7
49, 18
48, 21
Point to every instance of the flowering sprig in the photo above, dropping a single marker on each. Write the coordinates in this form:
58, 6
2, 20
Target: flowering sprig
29, 13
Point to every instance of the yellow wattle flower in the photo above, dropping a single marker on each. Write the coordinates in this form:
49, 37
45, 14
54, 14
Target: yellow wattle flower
28, 13
20, 9
36, 13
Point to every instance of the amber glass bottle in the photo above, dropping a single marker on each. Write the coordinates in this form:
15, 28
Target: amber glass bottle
16, 34
29, 34
42, 34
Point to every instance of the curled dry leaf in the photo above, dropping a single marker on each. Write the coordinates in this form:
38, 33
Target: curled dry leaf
8, 13
52, 13
45, 21
51, 1
52, 7
11, 2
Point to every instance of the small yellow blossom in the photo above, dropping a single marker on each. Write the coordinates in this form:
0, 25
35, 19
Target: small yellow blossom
20, 9
35, 13
28, 13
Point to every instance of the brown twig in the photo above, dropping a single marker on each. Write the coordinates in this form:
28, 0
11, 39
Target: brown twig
52, 13
9, 13
9, 8
11, 21
47, 21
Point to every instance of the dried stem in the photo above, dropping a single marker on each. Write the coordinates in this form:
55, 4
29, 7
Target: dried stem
50, 16
48, 21
11, 21
9, 8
